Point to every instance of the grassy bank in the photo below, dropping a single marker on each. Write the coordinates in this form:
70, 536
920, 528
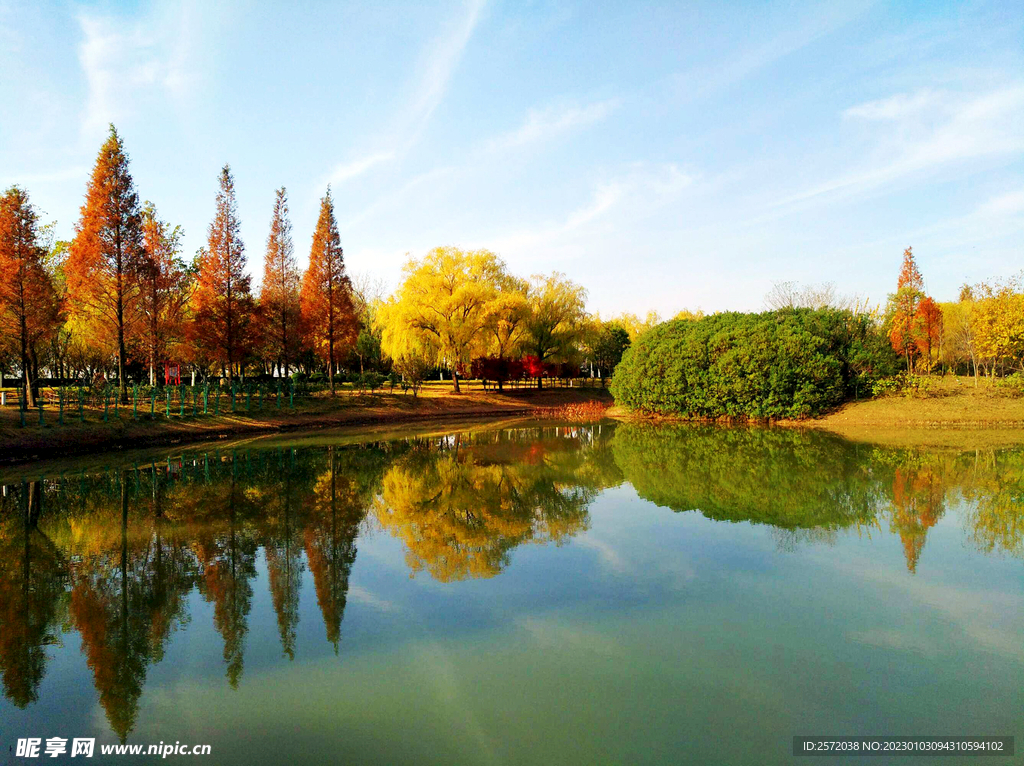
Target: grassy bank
120, 431
951, 412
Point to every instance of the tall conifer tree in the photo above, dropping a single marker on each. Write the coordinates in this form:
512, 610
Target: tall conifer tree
107, 254
223, 303
328, 317
279, 294
30, 312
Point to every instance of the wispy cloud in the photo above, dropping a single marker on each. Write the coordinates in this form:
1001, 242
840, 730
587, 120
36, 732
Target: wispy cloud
1008, 204
545, 124
639, 190
121, 61
437, 64
348, 170
926, 131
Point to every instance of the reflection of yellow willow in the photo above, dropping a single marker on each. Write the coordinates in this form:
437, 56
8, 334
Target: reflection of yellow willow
460, 518
998, 524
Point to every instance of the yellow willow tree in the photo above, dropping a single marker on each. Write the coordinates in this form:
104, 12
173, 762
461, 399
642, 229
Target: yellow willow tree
556, 319
329, 320
443, 308
107, 255
29, 307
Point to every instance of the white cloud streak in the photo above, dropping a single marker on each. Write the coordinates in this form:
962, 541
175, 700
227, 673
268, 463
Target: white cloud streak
545, 124
438, 64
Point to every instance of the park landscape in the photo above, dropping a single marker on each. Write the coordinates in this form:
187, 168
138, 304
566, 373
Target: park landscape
485, 505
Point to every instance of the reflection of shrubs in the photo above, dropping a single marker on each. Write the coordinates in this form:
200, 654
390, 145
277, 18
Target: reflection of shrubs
785, 478
780, 364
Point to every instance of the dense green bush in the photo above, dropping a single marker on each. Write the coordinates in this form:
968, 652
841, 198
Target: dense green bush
779, 364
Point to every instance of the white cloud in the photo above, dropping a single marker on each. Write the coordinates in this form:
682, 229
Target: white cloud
122, 63
896, 107
918, 139
349, 170
542, 125
1011, 203
639, 191
438, 64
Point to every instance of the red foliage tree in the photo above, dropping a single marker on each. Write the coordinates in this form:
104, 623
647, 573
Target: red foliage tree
279, 292
166, 287
223, 304
929, 324
107, 254
905, 329
329, 321
30, 311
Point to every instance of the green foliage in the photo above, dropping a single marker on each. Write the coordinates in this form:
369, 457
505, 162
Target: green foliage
902, 385
1013, 383
790, 479
780, 364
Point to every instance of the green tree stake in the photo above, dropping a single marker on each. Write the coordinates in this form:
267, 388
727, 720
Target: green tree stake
206, 397
232, 397
168, 390
135, 401
216, 401
117, 401
152, 403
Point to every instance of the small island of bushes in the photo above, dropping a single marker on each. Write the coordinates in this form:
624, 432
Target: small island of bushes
790, 363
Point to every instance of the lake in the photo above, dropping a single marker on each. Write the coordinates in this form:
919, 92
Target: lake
524, 594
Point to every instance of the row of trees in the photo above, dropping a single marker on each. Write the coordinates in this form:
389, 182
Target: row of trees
119, 295
980, 333
120, 299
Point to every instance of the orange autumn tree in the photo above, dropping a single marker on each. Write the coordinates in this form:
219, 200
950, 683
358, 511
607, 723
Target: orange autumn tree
166, 286
30, 311
929, 325
279, 293
329, 320
107, 255
222, 305
905, 328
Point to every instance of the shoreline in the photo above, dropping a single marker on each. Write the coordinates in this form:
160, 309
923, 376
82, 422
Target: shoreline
19, 446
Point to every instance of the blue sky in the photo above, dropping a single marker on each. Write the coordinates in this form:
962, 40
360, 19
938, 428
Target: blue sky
664, 156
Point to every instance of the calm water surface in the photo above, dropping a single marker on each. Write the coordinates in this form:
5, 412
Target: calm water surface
556, 594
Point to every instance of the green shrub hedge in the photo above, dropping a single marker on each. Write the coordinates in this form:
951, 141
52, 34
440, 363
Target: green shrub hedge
779, 364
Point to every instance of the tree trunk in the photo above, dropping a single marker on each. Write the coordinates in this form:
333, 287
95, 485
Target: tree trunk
455, 380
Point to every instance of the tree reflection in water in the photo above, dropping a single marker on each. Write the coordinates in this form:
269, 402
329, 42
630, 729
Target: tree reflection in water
113, 555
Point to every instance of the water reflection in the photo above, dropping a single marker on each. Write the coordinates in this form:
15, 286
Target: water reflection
115, 555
